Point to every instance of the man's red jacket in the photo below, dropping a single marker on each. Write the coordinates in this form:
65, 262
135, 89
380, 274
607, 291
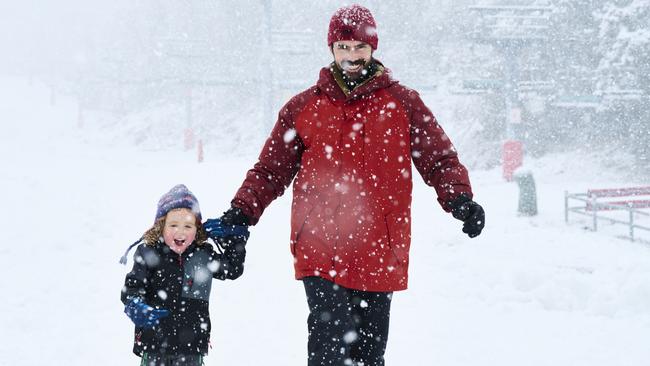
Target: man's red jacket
351, 157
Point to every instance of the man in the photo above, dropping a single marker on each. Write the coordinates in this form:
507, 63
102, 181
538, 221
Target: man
349, 142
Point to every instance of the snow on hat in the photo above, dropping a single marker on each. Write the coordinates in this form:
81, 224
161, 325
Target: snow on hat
178, 197
353, 23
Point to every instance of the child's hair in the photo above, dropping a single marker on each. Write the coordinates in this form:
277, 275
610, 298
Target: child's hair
154, 234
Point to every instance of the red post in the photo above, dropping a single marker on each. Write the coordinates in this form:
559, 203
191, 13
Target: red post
513, 158
199, 148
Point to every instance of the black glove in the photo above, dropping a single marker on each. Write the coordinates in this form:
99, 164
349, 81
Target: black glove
235, 216
231, 229
470, 213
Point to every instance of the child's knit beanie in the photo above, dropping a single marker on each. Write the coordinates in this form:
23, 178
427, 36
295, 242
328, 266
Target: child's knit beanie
178, 197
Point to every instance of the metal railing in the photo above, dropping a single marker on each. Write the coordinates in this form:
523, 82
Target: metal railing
592, 207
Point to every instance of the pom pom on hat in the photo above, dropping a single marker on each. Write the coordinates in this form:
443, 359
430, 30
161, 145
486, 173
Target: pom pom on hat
178, 197
353, 23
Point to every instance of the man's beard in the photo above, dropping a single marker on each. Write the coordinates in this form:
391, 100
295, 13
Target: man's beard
349, 69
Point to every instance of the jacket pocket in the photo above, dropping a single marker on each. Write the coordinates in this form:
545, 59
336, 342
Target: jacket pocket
398, 231
299, 219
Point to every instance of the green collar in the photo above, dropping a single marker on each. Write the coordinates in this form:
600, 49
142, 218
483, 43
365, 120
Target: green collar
348, 85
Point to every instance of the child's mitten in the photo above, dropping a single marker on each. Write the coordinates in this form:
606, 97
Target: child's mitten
143, 315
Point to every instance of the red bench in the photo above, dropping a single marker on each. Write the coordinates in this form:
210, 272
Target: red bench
595, 194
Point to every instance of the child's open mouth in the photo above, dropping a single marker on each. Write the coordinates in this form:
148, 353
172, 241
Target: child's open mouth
178, 242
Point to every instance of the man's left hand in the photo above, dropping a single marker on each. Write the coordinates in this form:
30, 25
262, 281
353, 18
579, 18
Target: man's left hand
470, 213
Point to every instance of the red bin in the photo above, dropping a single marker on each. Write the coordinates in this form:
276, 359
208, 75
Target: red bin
513, 158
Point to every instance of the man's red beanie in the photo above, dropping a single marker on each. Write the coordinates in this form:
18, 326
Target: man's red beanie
353, 23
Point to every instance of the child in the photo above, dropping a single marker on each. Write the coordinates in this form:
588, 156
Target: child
167, 292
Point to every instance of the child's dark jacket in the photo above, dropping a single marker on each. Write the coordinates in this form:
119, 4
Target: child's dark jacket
180, 284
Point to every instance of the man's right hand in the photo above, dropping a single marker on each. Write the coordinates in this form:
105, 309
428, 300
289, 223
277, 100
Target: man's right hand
235, 216
233, 225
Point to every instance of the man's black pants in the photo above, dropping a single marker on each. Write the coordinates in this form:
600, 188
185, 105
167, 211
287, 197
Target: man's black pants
156, 359
346, 327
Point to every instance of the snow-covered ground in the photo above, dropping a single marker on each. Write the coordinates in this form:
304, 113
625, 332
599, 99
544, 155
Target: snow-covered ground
528, 291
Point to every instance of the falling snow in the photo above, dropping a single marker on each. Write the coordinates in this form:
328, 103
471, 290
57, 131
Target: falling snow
105, 107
